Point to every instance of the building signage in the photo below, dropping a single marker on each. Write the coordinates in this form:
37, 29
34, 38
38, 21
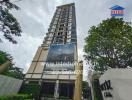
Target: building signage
61, 57
106, 87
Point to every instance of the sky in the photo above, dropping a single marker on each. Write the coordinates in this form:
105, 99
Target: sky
35, 17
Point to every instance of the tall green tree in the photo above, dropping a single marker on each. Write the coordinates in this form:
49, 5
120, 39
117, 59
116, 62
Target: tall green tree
9, 26
10, 70
109, 45
4, 57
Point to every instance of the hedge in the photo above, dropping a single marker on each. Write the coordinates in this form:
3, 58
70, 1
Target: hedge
16, 97
97, 90
30, 89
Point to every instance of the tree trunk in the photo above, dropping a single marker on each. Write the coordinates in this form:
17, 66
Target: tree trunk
4, 66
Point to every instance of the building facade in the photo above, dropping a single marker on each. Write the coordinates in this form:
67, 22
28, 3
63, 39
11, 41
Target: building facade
55, 64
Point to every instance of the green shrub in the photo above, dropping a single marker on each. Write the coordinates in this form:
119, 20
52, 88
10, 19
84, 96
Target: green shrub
48, 95
30, 88
63, 97
97, 90
33, 89
16, 97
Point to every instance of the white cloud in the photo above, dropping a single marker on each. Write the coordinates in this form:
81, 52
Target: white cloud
22, 52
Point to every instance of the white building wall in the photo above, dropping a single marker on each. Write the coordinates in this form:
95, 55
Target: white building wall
9, 85
121, 82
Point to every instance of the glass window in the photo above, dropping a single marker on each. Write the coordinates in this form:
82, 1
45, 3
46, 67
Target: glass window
69, 33
68, 36
60, 28
55, 22
53, 26
57, 15
50, 34
69, 24
70, 16
60, 33
52, 30
59, 9
62, 21
68, 40
61, 25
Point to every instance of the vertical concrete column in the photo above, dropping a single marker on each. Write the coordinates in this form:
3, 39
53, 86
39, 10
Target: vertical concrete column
56, 91
90, 73
78, 82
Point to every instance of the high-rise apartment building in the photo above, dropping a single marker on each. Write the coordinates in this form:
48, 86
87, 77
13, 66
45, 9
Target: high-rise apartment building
54, 65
